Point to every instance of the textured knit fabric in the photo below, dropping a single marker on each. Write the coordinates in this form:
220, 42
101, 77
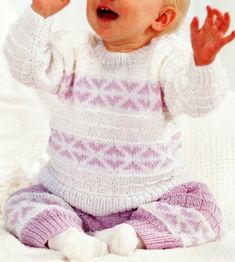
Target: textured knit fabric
114, 143
185, 216
209, 144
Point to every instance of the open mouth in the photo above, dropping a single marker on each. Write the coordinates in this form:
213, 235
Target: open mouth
106, 13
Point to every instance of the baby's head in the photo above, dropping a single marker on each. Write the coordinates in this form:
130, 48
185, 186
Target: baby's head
132, 21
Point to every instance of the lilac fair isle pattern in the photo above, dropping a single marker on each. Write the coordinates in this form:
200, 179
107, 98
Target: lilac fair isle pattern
34, 216
108, 130
115, 143
185, 216
122, 95
126, 157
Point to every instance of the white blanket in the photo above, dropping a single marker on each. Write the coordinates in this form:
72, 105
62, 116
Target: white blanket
209, 149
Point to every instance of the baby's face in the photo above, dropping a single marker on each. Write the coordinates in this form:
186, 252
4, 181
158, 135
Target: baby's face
123, 20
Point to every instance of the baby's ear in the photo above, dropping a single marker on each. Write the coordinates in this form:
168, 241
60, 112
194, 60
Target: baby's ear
165, 18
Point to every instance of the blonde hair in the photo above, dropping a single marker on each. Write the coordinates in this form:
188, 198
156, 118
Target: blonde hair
182, 9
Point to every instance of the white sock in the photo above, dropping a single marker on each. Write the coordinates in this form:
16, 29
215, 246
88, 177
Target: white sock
121, 239
77, 245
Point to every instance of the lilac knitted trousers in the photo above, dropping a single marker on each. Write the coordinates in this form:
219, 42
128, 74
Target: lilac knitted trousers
185, 216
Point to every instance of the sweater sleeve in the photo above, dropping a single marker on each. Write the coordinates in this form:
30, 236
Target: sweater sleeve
35, 56
190, 89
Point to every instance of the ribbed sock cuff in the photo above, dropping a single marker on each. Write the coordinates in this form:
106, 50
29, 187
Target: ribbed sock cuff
153, 239
47, 224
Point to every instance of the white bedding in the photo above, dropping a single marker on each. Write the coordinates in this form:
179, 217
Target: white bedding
209, 148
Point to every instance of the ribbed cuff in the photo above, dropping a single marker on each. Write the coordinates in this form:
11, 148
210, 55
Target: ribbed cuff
205, 69
153, 233
211, 77
33, 25
208, 87
47, 224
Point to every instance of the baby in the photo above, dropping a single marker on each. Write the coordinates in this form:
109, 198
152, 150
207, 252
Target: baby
114, 181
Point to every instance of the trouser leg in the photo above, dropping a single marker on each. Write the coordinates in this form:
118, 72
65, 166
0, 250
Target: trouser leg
187, 215
34, 215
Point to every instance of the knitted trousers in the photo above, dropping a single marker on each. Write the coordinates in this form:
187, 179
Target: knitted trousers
185, 216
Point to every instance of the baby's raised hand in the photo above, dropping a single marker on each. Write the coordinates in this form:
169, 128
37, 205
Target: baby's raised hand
47, 8
207, 41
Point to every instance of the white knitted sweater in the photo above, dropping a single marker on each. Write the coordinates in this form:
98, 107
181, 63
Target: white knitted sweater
115, 143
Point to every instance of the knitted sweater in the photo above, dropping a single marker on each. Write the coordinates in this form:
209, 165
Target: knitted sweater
115, 143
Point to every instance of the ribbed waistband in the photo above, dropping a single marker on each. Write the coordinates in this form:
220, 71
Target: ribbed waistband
101, 202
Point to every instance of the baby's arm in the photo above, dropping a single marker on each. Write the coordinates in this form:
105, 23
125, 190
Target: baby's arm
193, 80
31, 57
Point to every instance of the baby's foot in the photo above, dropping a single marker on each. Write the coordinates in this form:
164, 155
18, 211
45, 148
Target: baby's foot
121, 239
76, 245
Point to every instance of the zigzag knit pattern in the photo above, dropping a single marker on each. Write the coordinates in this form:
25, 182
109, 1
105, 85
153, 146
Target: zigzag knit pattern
105, 156
114, 94
115, 143
185, 216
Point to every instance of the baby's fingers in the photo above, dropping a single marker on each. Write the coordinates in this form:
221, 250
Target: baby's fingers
219, 18
210, 15
224, 41
195, 26
226, 23
63, 3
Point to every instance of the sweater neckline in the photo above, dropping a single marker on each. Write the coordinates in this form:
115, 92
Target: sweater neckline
120, 58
